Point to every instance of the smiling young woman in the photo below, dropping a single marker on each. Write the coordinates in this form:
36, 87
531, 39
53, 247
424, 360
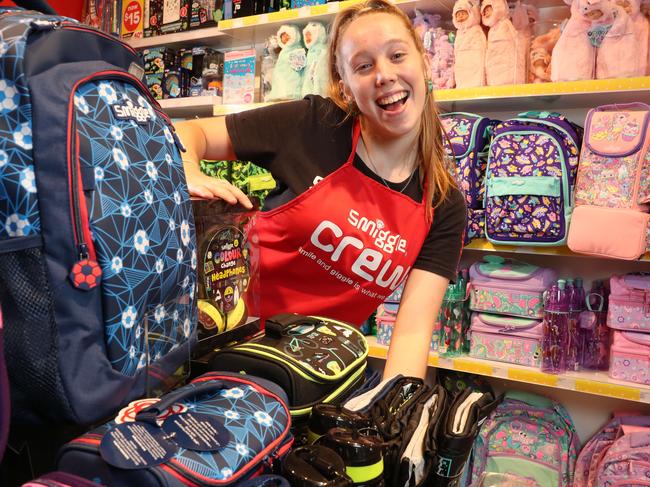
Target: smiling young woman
365, 197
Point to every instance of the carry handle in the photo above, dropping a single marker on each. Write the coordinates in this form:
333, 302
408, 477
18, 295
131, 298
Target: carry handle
599, 306
529, 398
277, 324
614, 107
150, 414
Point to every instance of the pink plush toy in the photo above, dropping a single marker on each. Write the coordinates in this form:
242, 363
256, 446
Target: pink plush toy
523, 18
574, 55
645, 10
539, 66
470, 44
641, 31
617, 56
503, 65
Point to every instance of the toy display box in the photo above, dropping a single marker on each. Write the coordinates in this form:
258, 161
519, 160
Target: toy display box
228, 267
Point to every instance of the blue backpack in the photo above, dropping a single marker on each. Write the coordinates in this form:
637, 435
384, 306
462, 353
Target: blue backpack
97, 245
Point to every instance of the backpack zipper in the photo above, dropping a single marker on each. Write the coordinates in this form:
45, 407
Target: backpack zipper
86, 254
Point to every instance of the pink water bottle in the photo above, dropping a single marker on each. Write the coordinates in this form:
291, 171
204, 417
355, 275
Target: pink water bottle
594, 331
555, 338
576, 294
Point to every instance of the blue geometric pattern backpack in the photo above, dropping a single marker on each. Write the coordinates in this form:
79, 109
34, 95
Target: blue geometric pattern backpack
529, 181
97, 245
529, 436
470, 135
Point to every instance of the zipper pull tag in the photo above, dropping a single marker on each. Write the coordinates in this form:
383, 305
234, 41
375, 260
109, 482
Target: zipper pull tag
85, 274
43, 24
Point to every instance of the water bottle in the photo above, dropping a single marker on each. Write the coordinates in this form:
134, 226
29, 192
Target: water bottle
555, 338
595, 333
576, 294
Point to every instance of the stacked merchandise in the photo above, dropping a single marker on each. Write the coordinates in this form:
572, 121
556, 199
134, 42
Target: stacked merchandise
189, 72
575, 334
439, 47
628, 316
507, 297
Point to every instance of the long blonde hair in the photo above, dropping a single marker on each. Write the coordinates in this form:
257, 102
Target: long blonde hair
436, 168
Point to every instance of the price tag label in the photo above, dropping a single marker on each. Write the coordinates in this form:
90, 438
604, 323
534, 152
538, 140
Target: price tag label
136, 445
196, 431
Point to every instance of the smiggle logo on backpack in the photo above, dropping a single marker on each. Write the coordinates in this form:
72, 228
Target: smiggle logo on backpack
129, 111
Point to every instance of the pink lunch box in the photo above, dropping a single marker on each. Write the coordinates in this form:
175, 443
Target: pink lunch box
509, 287
506, 339
629, 302
630, 357
385, 319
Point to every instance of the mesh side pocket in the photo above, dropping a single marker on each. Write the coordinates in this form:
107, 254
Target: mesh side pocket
31, 339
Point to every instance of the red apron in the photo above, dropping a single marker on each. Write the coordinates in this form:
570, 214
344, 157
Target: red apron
340, 248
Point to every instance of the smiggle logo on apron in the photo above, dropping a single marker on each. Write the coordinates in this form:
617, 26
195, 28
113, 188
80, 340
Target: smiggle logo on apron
368, 264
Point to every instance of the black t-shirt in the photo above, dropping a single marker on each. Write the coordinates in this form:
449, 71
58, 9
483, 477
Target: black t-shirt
302, 141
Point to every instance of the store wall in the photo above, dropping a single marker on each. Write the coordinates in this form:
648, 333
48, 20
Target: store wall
69, 8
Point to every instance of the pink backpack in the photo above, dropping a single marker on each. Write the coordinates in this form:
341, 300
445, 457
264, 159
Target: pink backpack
612, 193
627, 461
595, 449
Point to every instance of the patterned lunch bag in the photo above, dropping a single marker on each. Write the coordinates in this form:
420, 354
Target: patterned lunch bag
315, 360
509, 287
220, 429
529, 179
97, 245
612, 194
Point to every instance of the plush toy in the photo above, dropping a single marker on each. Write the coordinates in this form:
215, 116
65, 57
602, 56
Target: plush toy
641, 31
503, 65
316, 71
442, 62
286, 82
269, 58
617, 55
574, 54
645, 10
470, 44
523, 18
541, 47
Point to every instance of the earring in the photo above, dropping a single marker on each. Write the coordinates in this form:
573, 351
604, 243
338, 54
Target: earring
429, 86
353, 109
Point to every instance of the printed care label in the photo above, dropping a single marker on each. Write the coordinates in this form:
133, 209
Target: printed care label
135, 445
196, 432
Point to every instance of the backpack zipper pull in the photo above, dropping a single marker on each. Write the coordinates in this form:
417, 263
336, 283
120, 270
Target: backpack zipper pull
86, 273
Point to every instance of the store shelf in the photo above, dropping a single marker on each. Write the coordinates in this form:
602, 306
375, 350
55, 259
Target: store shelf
220, 110
194, 106
549, 96
485, 246
210, 36
596, 383
256, 28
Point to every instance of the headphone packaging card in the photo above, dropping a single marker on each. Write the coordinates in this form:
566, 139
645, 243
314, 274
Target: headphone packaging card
228, 267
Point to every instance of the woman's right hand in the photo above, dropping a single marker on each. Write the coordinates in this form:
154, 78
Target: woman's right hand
208, 187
